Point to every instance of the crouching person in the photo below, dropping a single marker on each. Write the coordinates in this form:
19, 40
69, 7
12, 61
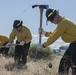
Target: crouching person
23, 41
3, 41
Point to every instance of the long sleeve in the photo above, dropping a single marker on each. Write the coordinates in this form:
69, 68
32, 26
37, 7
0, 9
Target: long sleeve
55, 35
12, 36
28, 37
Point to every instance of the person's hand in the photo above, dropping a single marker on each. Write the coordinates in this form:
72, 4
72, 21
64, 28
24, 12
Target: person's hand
8, 44
22, 43
41, 31
40, 46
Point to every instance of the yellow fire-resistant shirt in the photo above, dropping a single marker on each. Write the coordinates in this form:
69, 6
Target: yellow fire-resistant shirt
24, 35
3, 40
66, 29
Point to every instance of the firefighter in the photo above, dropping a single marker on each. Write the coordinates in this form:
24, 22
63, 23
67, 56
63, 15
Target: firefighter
24, 37
66, 29
3, 41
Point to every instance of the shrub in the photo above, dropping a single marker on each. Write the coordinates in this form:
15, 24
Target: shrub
37, 53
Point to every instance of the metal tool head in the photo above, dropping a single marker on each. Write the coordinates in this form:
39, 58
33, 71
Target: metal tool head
41, 6
44, 6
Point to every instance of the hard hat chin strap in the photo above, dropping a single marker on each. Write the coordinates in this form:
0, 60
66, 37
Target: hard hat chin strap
46, 22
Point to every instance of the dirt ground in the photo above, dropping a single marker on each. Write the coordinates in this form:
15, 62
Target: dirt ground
39, 67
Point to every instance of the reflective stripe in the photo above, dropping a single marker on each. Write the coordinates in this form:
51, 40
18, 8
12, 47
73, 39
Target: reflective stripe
18, 24
74, 66
51, 13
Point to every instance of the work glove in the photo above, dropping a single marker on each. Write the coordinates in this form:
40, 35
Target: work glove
41, 31
22, 43
40, 46
8, 44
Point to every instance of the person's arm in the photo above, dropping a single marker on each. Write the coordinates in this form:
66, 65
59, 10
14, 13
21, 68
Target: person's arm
28, 37
55, 35
12, 36
45, 33
48, 34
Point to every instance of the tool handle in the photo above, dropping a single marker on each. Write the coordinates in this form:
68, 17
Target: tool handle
11, 45
41, 14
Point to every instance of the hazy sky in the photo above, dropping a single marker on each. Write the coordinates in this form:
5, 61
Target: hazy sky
22, 9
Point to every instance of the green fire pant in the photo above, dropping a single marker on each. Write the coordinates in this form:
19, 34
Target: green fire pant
21, 52
68, 60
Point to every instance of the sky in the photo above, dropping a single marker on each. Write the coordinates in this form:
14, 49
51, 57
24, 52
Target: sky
11, 10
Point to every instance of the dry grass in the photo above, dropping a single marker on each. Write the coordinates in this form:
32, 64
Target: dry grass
39, 67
